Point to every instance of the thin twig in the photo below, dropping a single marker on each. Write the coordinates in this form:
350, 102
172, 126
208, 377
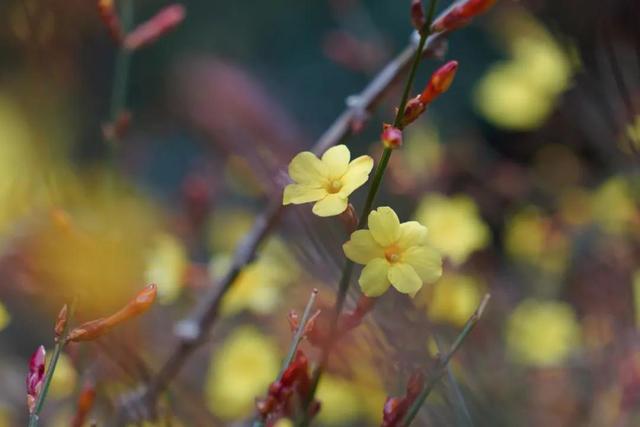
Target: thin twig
441, 365
345, 279
300, 330
57, 350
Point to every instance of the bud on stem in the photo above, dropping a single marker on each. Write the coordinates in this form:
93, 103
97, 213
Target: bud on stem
61, 322
96, 328
460, 14
35, 377
160, 24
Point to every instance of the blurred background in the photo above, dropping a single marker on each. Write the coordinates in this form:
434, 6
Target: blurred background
524, 172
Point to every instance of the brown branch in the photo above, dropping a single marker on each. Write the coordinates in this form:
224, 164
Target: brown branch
194, 330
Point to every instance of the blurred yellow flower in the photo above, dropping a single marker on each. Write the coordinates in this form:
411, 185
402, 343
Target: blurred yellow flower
327, 181
167, 264
636, 296
259, 286
520, 93
633, 132
96, 249
393, 254
452, 299
613, 206
340, 401
241, 369
542, 333
531, 239
227, 227
5, 417
5, 317
455, 226
64, 377
283, 422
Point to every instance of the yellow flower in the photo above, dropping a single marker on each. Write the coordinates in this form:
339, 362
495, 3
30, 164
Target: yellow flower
167, 265
64, 377
453, 299
393, 254
456, 229
5, 317
340, 402
242, 369
542, 333
613, 205
259, 286
327, 181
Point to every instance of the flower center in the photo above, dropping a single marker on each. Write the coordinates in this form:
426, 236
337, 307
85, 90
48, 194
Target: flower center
392, 254
334, 186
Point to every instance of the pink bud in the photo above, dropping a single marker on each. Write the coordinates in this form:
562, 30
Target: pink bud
35, 377
391, 136
417, 15
440, 82
160, 24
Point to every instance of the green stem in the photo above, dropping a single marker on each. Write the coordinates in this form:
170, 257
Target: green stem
295, 342
120, 76
443, 362
57, 350
371, 195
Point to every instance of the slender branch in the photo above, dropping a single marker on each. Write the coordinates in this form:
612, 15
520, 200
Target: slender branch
441, 365
300, 330
57, 350
345, 279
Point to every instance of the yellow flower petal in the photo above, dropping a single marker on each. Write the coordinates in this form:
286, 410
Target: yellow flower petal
336, 160
362, 248
373, 279
404, 278
412, 233
306, 168
300, 193
333, 204
384, 225
357, 174
426, 262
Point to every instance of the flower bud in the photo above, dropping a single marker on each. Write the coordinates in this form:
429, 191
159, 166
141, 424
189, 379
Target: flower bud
417, 15
61, 322
160, 24
414, 109
391, 136
110, 19
349, 219
460, 14
96, 328
440, 82
35, 377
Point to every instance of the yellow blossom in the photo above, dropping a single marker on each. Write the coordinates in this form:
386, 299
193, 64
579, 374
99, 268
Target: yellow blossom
340, 402
64, 377
258, 287
327, 181
452, 299
241, 369
5, 317
613, 206
166, 266
393, 254
542, 333
283, 422
455, 226
530, 238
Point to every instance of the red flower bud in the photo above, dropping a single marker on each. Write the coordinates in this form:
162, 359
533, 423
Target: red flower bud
460, 14
414, 109
391, 136
417, 15
35, 377
160, 24
96, 328
110, 19
440, 82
